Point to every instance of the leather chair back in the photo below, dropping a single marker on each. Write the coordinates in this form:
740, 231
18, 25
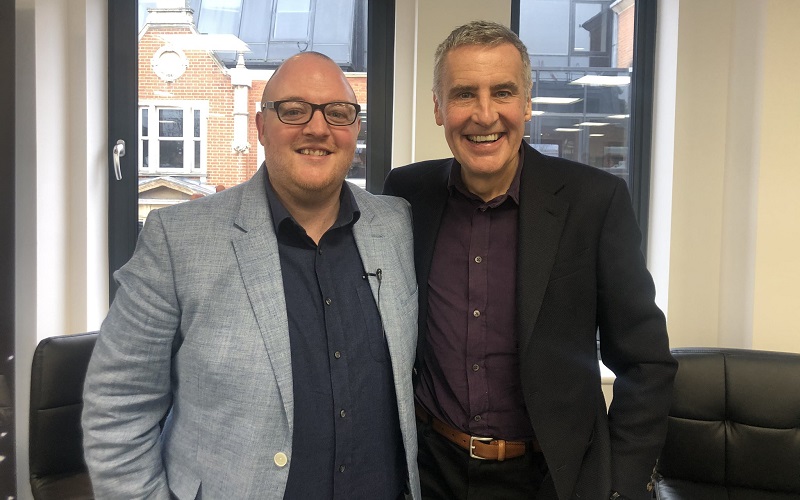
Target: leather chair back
57, 467
734, 426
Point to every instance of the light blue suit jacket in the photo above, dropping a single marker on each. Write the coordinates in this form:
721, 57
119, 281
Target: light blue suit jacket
199, 325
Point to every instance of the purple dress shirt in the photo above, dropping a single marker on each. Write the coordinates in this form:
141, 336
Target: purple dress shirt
470, 377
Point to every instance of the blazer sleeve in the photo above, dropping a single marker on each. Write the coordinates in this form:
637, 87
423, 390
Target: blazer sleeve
634, 345
127, 390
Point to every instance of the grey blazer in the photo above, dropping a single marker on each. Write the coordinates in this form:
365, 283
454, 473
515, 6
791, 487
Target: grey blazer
199, 325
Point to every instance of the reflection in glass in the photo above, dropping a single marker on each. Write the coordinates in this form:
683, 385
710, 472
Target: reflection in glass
569, 108
170, 154
170, 123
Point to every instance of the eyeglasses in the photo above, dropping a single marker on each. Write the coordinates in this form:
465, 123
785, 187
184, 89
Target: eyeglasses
339, 114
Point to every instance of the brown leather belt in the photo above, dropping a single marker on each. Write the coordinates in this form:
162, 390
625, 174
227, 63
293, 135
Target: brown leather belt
482, 448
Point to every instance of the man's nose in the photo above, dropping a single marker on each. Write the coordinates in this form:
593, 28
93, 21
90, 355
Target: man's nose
317, 124
485, 112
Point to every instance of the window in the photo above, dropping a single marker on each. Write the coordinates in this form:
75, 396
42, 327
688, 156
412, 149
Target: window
172, 138
292, 19
581, 101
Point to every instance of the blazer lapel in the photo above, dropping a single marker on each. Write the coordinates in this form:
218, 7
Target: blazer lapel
541, 219
428, 209
259, 263
368, 234
373, 247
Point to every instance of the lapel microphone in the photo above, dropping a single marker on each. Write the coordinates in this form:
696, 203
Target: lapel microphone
378, 274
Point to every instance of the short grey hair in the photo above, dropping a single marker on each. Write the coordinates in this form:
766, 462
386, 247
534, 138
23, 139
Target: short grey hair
486, 34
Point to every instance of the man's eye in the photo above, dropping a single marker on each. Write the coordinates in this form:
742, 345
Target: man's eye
465, 95
336, 111
504, 94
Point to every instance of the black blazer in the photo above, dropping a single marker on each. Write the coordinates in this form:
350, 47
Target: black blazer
580, 269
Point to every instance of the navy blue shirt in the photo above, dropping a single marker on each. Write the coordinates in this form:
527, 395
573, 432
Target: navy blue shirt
346, 441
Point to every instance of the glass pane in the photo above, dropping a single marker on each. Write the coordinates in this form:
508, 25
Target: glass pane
291, 20
197, 154
197, 123
333, 30
219, 16
145, 154
170, 123
293, 6
144, 121
291, 26
580, 97
584, 12
254, 29
170, 154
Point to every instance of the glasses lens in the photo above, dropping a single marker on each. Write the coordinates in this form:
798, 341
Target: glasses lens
294, 111
340, 113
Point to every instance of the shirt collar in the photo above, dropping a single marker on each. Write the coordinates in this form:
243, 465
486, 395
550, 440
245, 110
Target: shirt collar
349, 212
455, 182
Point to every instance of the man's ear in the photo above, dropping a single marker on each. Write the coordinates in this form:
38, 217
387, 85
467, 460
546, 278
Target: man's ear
528, 108
260, 127
437, 111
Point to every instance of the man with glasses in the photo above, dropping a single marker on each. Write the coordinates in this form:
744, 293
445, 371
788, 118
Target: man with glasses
521, 260
271, 326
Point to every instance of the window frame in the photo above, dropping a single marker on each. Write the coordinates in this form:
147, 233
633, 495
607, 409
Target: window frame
188, 108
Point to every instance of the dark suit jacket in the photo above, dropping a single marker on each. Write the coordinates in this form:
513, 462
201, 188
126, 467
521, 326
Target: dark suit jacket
580, 269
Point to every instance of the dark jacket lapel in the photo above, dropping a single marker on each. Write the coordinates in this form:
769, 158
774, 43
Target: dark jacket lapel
541, 219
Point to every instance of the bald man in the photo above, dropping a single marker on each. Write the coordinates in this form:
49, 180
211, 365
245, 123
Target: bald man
273, 324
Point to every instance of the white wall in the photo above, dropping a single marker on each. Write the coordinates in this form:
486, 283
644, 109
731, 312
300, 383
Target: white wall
724, 225
415, 133
61, 236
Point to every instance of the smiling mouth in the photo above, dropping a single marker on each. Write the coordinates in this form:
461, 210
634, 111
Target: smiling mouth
313, 152
479, 139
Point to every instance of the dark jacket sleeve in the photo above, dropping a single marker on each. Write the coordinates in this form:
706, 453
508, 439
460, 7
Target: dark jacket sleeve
634, 345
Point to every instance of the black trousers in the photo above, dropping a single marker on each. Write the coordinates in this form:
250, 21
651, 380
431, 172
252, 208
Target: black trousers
448, 473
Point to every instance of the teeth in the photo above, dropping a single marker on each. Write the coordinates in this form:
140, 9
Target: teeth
313, 152
483, 138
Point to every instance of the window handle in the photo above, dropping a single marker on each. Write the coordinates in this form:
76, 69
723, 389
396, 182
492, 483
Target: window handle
119, 150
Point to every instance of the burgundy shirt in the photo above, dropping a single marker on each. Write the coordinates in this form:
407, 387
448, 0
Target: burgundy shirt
469, 378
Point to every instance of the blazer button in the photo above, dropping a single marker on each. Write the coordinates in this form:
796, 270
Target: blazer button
280, 459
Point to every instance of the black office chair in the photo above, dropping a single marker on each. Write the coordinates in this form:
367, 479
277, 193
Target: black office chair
734, 427
57, 467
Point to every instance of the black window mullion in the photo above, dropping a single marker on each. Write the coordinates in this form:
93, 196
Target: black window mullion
380, 81
123, 87
641, 124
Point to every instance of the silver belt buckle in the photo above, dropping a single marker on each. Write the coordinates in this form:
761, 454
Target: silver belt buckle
472, 440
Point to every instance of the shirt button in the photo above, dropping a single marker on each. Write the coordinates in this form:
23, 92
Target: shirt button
475, 367
478, 259
337, 355
328, 302
280, 459
476, 313
341, 468
319, 250
342, 413
477, 418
